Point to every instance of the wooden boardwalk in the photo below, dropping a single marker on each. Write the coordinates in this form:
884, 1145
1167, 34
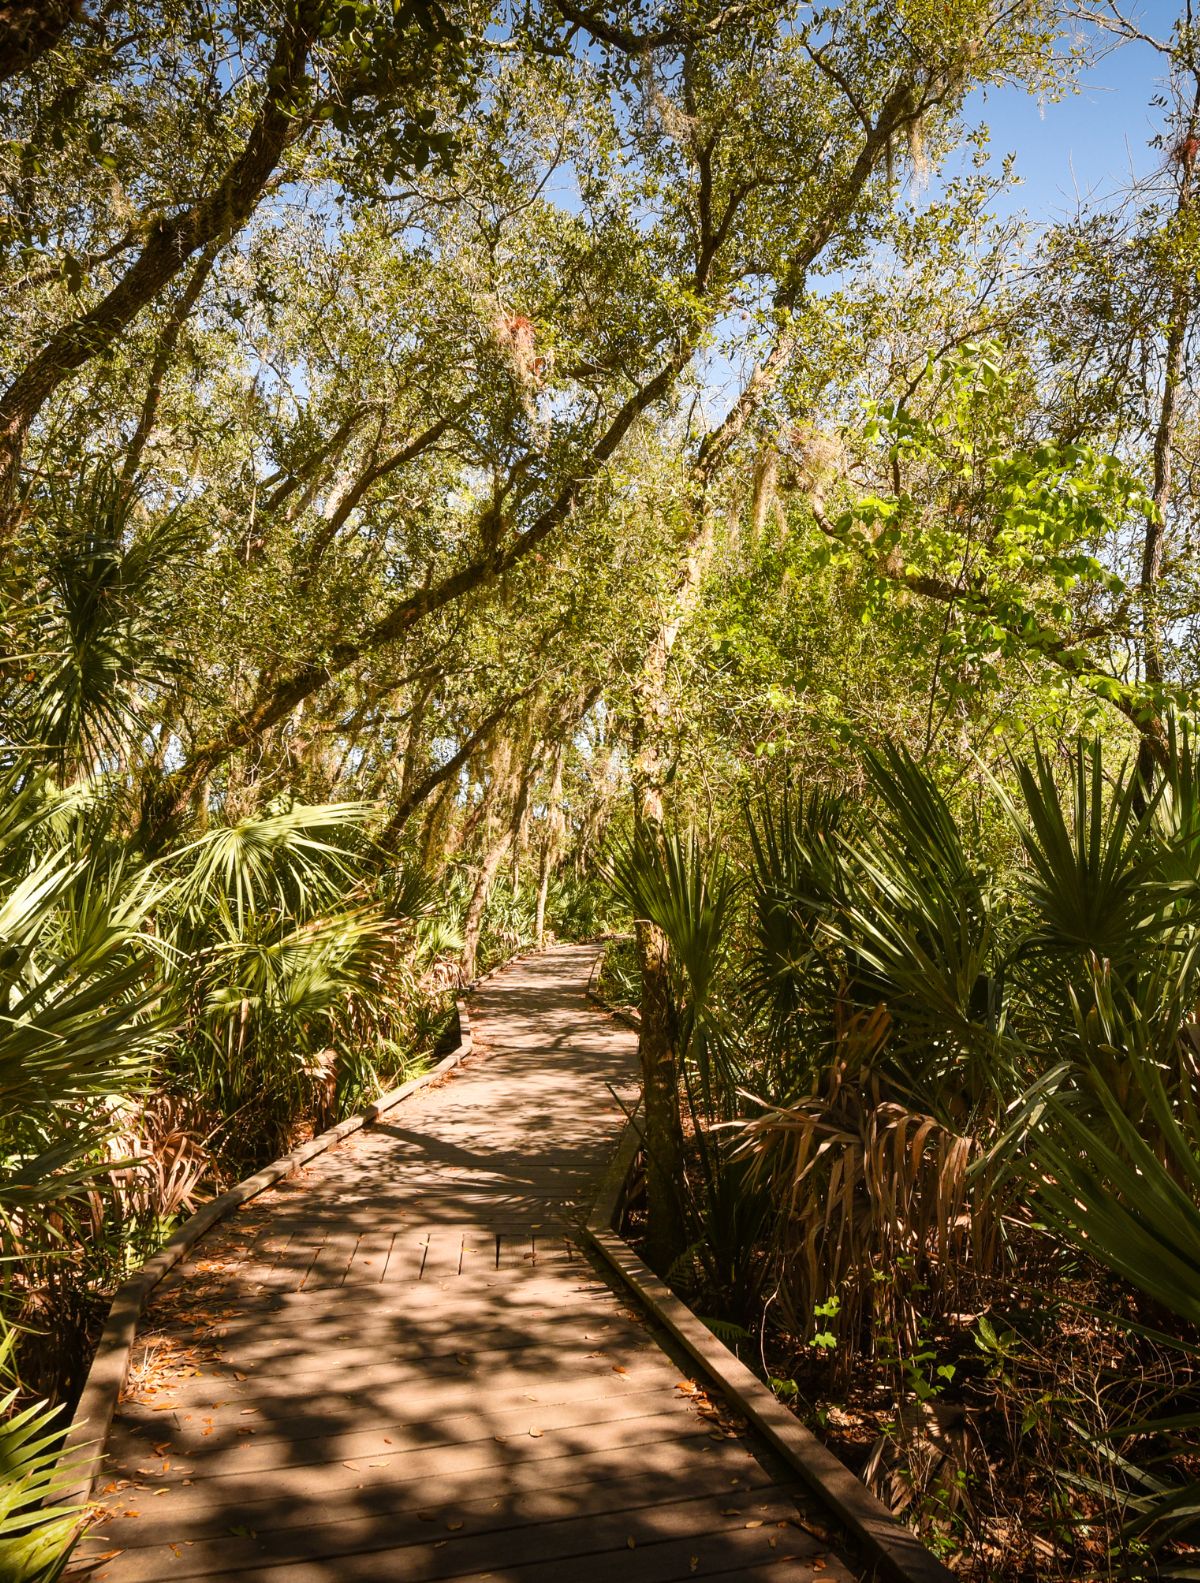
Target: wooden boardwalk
398, 1364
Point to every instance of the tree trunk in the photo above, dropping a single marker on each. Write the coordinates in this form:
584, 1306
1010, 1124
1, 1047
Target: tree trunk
417, 792
666, 1230
488, 870
473, 927
1182, 307
28, 28
550, 842
161, 362
434, 835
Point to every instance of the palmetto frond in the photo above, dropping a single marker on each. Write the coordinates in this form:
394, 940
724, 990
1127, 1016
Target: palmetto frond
1114, 1170
36, 1529
294, 859
97, 636
893, 915
798, 884
78, 1008
301, 973
669, 880
1090, 889
687, 893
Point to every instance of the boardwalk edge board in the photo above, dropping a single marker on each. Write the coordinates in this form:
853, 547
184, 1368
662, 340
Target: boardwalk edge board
899, 1552
629, 1015
86, 1439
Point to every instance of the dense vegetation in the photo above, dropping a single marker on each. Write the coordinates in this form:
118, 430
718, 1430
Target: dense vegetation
474, 473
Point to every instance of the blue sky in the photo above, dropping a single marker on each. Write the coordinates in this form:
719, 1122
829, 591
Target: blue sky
1092, 141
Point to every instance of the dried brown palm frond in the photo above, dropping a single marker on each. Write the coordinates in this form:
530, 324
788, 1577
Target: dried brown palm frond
159, 1158
874, 1199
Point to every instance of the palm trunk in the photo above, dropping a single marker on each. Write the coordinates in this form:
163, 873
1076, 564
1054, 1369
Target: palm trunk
666, 1231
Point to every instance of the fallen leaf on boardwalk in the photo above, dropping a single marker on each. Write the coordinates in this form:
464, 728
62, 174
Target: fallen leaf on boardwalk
537, 1433
818, 1565
353, 1466
631, 1542
617, 1369
686, 1386
131, 1514
461, 1357
755, 1522
427, 1517
501, 1438
454, 1527
814, 1528
694, 1564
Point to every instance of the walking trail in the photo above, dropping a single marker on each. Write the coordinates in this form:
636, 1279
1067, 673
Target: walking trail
400, 1364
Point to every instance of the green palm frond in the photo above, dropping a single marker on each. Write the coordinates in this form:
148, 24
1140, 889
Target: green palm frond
670, 881
407, 891
98, 634
687, 893
896, 915
918, 820
37, 1530
80, 1014
294, 859
304, 972
921, 928
1091, 886
1115, 1166
1114, 1170
798, 885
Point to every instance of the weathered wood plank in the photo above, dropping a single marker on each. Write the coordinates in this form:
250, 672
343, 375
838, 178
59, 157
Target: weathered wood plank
535, 1492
